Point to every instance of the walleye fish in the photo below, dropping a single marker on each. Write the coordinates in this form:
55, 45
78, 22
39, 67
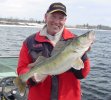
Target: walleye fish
69, 56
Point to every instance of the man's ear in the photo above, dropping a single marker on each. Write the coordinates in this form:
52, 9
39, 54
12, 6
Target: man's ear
65, 19
45, 18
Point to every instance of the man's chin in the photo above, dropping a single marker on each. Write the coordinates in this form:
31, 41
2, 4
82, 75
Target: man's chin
56, 31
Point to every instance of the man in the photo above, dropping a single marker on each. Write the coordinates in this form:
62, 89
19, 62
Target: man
48, 41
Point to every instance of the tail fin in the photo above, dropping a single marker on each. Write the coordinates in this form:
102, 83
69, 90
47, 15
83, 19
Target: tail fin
20, 85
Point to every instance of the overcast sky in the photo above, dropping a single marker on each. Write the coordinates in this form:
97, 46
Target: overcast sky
93, 12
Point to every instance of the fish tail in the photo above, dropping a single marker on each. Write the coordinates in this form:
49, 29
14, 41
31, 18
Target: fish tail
20, 85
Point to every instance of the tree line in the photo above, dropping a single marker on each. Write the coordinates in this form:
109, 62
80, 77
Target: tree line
31, 20
87, 26
15, 21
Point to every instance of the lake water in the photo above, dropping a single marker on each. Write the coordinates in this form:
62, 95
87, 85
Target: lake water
97, 86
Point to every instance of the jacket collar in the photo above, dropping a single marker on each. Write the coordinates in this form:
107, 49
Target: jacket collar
66, 35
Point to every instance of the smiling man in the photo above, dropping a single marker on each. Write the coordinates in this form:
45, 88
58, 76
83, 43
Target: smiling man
52, 37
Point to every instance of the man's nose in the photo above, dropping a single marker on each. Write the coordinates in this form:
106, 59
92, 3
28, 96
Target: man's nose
57, 20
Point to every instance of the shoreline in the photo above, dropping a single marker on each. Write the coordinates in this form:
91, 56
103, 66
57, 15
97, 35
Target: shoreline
5, 25
41, 25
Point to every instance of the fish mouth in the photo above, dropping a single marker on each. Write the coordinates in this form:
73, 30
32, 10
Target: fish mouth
92, 36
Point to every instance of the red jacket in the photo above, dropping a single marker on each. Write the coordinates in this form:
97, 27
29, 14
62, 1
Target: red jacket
68, 82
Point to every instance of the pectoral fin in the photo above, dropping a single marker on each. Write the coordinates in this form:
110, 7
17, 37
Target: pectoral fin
78, 64
39, 59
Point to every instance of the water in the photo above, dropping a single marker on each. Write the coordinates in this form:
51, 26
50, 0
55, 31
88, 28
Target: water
97, 85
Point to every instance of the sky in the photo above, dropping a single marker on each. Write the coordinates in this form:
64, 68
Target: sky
92, 12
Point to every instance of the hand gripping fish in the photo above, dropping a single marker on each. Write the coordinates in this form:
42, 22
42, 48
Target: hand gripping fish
69, 56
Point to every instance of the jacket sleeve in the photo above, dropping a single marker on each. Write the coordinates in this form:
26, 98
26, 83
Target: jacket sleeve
80, 74
24, 60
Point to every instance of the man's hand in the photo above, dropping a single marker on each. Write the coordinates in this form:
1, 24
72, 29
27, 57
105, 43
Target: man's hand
38, 78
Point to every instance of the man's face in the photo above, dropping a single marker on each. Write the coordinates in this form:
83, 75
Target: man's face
55, 22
